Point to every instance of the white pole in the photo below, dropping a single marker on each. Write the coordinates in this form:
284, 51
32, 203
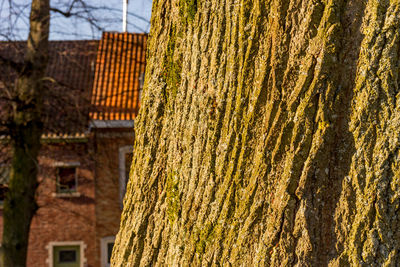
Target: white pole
124, 15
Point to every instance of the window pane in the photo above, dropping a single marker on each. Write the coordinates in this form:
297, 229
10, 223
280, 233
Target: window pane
66, 179
128, 162
67, 256
109, 251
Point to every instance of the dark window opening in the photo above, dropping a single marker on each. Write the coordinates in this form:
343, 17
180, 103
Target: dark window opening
67, 256
109, 251
128, 162
66, 180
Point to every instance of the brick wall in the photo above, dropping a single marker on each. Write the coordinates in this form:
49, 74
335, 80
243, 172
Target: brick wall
92, 215
63, 218
108, 208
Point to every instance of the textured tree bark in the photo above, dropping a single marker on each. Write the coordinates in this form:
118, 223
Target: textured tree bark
268, 135
19, 205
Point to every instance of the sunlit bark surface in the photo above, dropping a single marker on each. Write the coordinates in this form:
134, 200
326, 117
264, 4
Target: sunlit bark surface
269, 135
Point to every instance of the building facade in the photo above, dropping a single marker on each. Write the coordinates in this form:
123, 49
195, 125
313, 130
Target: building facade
86, 149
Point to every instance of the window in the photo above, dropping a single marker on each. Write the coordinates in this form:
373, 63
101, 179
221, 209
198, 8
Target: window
107, 244
125, 160
66, 254
110, 247
67, 179
141, 84
128, 162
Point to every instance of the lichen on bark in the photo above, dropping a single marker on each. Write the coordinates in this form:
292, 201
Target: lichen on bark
283, 140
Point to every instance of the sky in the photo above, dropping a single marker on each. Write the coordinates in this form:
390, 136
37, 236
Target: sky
104, 15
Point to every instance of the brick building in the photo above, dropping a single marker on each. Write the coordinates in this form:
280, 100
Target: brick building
94, 96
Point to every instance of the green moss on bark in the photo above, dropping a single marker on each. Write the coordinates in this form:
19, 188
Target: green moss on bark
282, 130
172, 68
203, 237
173, 197
188, 10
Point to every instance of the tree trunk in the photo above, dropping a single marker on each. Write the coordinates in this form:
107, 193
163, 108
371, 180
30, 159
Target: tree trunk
19, 205
268, 135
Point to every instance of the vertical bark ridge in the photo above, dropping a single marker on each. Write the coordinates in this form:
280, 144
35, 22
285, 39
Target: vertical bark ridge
268, 136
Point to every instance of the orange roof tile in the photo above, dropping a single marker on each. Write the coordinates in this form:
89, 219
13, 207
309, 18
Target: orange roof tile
120, 66
87, 80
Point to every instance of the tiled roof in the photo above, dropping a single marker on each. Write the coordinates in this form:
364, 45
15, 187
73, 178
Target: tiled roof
72, 66
120, 69
102, 78
69, 80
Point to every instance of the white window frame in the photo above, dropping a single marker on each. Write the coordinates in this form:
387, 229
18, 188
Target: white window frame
51, 245
141, 85
122, 171
104, 249
73, 164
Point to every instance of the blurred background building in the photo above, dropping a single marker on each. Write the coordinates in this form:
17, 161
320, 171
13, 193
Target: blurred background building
91, 102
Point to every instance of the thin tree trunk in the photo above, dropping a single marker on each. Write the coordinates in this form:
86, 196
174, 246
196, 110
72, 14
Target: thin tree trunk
268, 135
19, 205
